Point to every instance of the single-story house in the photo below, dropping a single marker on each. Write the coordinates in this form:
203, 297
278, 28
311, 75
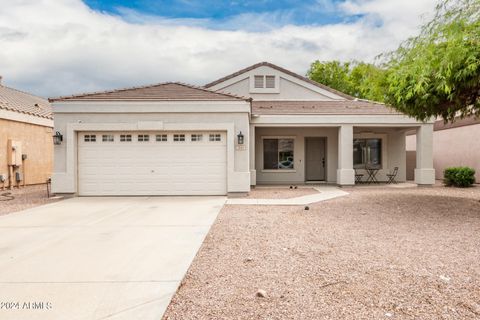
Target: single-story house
454, 144
26, 147
260, 125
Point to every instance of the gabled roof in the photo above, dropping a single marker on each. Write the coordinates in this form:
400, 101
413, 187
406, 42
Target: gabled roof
167, 91
357, 107
22, 102
290, 73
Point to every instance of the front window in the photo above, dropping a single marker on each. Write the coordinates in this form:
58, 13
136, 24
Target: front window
278, 154
367, 152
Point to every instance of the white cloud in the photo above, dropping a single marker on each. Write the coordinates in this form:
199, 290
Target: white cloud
54, 47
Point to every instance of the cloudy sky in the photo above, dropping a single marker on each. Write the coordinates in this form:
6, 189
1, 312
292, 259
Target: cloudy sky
59, 47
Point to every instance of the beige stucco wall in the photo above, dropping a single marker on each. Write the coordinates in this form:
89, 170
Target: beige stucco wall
452, 148
299, 134
393, 152
37, 144
238, 177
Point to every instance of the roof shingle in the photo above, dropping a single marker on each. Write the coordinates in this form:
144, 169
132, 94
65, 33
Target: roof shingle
320, 107
22, 102
162, 91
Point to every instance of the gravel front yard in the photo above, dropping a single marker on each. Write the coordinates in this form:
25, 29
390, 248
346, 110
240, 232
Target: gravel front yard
379, 253
24, 198
280, 192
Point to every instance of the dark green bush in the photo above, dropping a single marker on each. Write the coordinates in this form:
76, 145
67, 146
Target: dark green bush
459, 176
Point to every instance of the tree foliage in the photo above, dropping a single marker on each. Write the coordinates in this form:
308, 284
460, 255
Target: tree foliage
358, 79
437, 73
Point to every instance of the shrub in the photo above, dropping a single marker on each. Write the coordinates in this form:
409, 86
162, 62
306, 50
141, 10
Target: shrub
459, 176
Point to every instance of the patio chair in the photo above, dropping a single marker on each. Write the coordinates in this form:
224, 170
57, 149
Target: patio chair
358, 177
391, 176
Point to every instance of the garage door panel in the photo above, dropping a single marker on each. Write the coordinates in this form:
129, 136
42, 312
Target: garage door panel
151, 168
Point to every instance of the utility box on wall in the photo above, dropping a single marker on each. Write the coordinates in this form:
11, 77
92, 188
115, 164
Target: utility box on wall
14, 153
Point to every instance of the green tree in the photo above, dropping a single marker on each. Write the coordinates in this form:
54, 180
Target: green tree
437, 73
358, 79
368, 81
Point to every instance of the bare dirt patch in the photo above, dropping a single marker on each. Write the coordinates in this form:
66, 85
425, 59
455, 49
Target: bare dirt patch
279, 192
378, 253
24, 198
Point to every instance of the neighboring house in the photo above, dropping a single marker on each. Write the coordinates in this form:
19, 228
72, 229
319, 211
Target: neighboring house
26, 146
260, 125
454, 144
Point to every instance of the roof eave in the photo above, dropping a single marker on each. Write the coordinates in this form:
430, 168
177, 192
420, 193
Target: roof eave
52, 100
85, 96
326, 113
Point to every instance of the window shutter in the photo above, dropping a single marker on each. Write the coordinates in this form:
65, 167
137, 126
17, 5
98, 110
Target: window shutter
258, 82
270, 82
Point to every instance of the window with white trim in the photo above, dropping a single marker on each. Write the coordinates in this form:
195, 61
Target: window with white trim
161, 137
215, 137
197, 137
367, 152
278, 154
178, 137
143, 138
89, 138
107, 138
125, 138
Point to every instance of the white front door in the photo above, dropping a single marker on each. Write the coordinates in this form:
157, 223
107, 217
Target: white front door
152, 163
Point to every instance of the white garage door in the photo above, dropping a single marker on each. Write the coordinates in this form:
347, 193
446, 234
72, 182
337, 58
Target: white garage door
152, 163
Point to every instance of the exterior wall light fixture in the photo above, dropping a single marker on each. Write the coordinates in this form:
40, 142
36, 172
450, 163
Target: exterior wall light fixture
57, 138
240, 138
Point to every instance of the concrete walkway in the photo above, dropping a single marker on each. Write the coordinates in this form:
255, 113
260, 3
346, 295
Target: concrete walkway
325, 193
100, 258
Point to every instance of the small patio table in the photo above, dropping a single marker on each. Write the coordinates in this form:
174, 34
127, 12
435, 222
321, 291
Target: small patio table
372, 173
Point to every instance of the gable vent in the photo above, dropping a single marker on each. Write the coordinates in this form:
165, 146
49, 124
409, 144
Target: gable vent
258, 82
270, 82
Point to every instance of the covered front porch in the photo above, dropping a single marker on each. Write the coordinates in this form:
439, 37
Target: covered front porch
286, 153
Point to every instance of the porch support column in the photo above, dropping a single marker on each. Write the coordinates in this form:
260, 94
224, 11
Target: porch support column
345, 172
424, 172
253, 172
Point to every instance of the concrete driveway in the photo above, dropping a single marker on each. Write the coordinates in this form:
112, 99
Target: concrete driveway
100, 258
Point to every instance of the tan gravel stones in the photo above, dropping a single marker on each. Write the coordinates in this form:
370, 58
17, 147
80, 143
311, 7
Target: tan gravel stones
24, 198
411, 253
279, 192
